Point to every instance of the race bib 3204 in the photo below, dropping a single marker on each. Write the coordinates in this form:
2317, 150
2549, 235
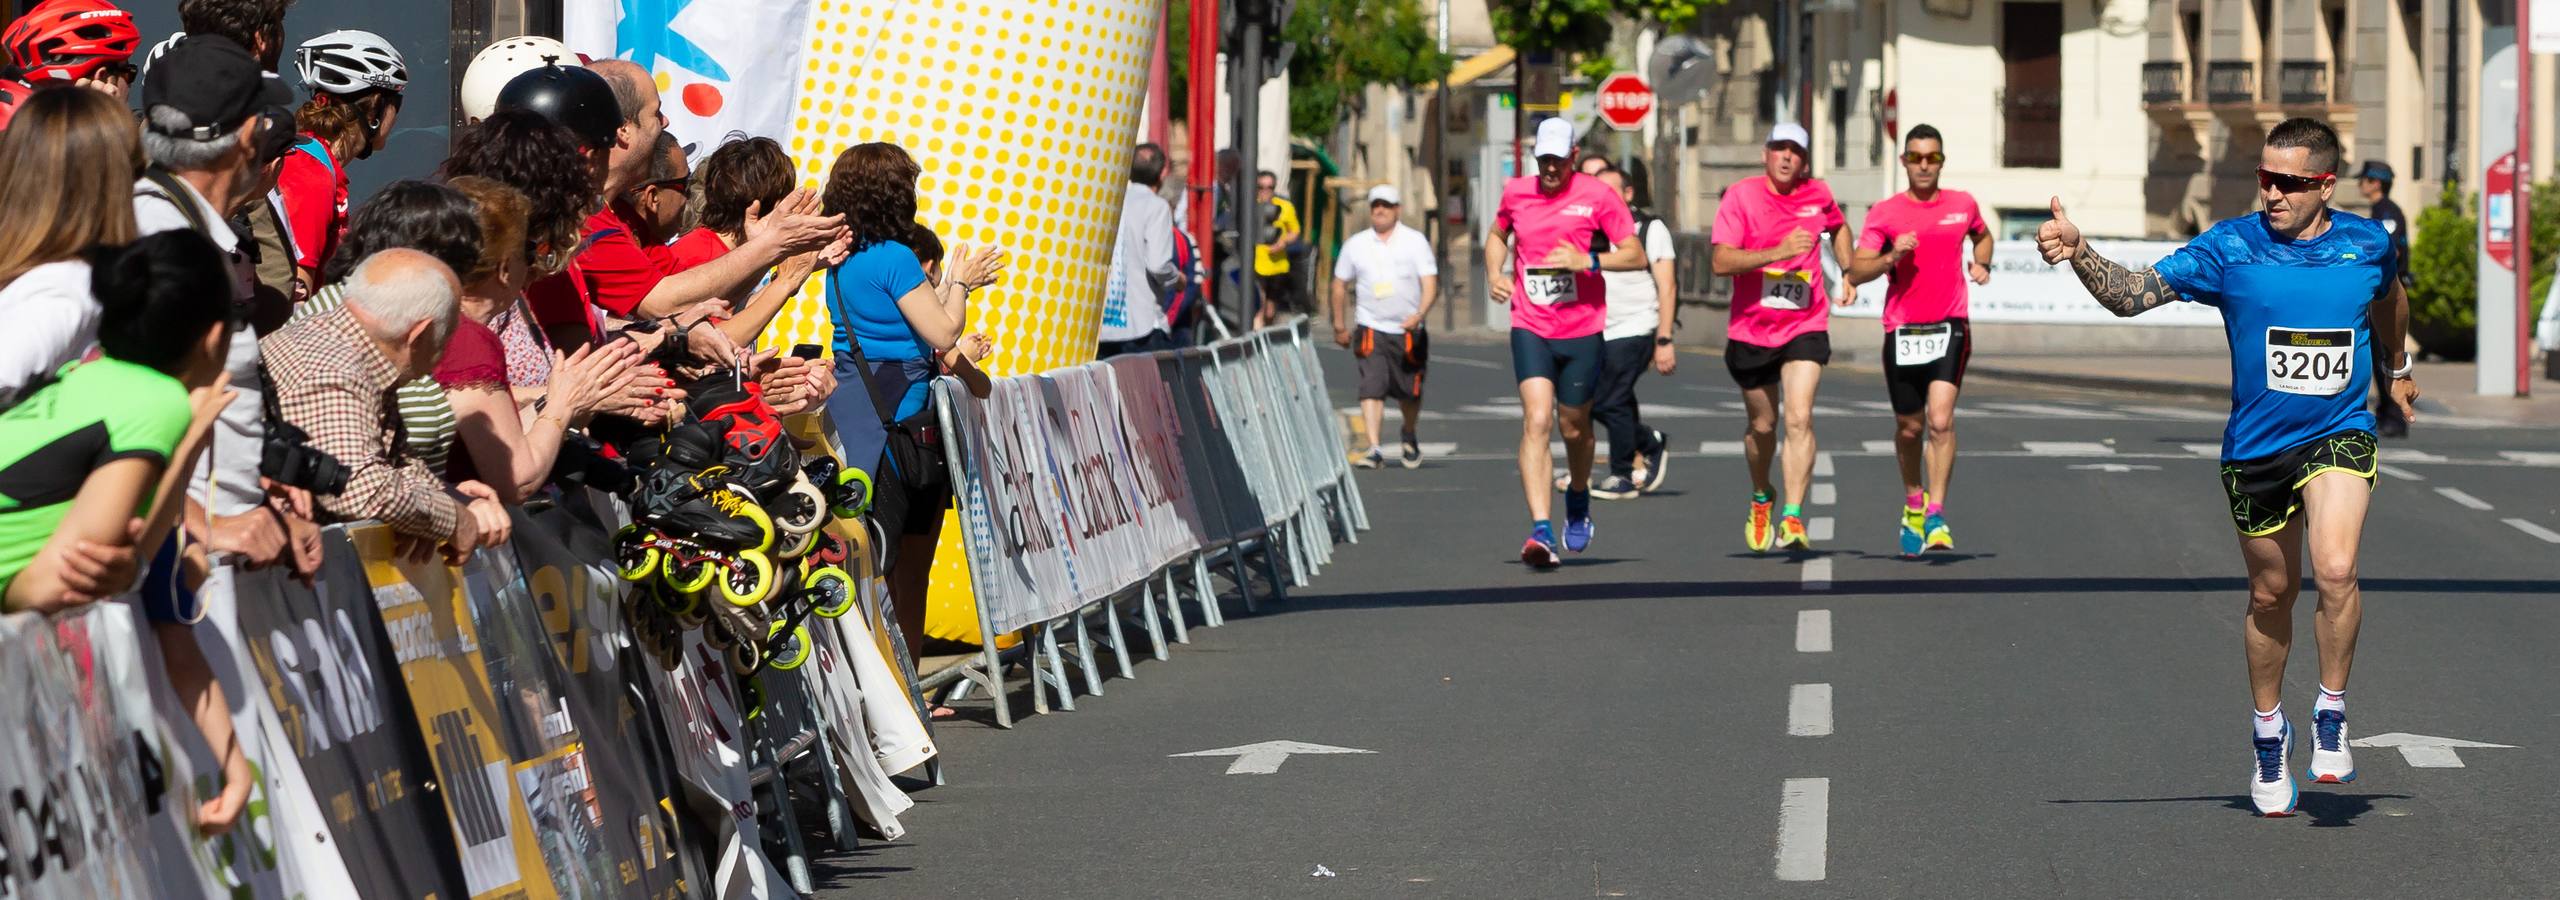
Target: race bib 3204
2311, 362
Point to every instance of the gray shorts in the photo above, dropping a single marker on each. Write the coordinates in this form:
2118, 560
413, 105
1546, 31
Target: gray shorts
1389, 367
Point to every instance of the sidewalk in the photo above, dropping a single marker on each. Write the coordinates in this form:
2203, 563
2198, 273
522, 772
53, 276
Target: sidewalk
2446, 387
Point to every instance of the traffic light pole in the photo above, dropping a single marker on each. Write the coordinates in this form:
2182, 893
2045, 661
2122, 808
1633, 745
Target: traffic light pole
1246, 85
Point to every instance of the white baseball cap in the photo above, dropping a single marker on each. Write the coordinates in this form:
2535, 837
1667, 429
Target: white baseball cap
1555, 138
1385, 193
1792, 133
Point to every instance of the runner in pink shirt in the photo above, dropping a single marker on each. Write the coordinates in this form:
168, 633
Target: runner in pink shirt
1919, 237
1540, 254
1768, 239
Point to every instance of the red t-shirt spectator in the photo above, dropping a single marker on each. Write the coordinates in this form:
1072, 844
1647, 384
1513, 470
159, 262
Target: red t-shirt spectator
611, 272
696, 247
314, 188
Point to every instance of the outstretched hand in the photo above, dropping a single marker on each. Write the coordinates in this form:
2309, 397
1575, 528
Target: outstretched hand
2058, 239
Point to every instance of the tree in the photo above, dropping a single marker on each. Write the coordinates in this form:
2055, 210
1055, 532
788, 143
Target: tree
1343, 46
1581, 27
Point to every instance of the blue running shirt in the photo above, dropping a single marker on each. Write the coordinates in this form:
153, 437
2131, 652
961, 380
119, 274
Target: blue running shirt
2296, 316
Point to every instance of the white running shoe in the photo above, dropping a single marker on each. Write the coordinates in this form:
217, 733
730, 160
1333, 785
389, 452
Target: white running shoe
2331, 761
2271, 787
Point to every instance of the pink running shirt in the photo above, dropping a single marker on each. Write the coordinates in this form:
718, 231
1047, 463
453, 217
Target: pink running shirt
1928, 286
1770, 311
1538, 223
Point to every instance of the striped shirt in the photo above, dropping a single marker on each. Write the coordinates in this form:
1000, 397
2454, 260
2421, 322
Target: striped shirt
426, 416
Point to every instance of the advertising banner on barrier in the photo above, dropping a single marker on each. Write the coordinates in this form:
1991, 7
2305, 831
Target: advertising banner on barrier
565, 551
1213, 448
1085, 432
485, 730
318, 657
1015, 508
1154, 434
705, 720
77, 788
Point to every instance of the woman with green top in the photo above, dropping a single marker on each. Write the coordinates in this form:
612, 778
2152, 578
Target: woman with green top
104, 442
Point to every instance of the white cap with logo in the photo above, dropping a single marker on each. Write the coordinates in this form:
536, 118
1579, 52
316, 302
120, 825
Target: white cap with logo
1791, 132
1385, 193
1555, 138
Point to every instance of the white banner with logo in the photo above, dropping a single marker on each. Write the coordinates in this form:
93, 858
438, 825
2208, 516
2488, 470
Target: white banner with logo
2025, 291
721, 66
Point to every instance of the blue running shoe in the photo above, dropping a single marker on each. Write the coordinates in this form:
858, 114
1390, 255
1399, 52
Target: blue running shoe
1915, 537
1539, 552
2331, 761
1939, 537
2271, 788
1578, 532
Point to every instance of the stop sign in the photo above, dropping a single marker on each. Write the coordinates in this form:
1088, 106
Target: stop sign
1625, 101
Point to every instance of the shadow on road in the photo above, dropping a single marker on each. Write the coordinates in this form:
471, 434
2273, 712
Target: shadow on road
2325, 810
1547, 591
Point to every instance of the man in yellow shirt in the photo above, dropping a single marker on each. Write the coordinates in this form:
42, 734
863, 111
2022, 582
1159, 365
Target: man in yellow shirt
1271, 260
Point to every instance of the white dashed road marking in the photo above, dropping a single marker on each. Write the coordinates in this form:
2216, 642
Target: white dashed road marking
1818, 528
2402, 474
1817, 574
2211, 451
1824, 494
1813, 631
2402, 454
1809, 710
1822, 467
2548, 536
1884, 447
2067, 448
2456, 495
2532, 457
1804, 829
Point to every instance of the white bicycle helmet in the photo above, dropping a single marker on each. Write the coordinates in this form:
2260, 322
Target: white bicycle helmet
501, 63
350, 62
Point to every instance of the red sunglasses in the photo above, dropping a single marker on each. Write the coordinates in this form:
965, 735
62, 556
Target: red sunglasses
2293, 184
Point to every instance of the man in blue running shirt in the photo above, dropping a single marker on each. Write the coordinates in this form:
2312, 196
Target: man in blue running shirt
2304, 291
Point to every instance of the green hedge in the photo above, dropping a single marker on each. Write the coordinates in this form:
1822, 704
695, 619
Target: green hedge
2443, 258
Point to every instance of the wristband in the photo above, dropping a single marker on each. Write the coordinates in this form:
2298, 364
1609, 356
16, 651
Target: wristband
2408, 364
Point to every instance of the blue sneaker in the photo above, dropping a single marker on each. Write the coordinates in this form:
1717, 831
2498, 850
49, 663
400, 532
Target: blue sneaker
1939, 537
2271, 788
1914, 534
1577, 521
1539, 552
2331, 761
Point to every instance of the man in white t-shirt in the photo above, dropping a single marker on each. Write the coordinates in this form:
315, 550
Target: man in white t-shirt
1142, 268
1391, 270
1637, 336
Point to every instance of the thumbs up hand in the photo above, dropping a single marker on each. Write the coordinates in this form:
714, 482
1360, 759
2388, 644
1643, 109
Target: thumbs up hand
2058, 240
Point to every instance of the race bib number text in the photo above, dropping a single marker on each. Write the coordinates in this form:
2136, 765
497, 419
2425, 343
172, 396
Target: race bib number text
1919, 344
2312, 363
1548, 287
1786, 289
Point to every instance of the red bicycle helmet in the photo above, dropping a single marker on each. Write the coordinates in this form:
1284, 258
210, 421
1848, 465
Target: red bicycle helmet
68, 40
12, 93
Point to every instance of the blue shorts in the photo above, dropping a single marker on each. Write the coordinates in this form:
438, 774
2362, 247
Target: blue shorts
165, 594
1572, 363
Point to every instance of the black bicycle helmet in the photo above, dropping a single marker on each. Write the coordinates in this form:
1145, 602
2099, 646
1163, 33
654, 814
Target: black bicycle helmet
571, 97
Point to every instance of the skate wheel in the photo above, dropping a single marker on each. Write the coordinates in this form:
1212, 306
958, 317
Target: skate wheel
764, 525
718, 636
831, 550
744, 657
853, 493
795, 546
793, 651
748, 580
830, 592
679, 602
802, 508
691, 577
632, 554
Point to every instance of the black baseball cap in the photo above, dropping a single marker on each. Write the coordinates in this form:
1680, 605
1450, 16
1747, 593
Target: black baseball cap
2375, 169
215, 83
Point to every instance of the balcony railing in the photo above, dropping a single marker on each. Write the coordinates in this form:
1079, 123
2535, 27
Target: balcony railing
2164, 81
2030, 128
2303, 82
2230, 81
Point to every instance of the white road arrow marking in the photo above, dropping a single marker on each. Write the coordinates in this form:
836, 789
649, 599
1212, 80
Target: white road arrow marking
2423, 752
1265, 758
2118, 468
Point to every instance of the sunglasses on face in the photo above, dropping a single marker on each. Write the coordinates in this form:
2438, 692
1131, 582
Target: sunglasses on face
2292, 184
1933, 157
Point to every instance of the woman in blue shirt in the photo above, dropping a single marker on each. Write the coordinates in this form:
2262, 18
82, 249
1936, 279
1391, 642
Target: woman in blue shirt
892, 322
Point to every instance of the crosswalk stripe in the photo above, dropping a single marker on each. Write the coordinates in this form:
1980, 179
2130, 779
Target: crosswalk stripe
2458, 496
1719, 448
2042, 409
2532, 457
2402, 474
2211, 450
1885, 447
2067, 448
2405, 455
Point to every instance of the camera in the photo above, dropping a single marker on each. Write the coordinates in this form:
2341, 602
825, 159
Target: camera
289, 459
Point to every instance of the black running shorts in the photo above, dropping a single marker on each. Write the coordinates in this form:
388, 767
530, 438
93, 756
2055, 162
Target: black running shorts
1754, 366
1945, 348
1573, 364
1390, 364
2265, 492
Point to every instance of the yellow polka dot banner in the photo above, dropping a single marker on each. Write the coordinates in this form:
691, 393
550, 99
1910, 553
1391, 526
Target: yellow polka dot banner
1022, 114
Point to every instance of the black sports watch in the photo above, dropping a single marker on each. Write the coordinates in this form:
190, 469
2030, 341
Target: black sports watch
1660, 341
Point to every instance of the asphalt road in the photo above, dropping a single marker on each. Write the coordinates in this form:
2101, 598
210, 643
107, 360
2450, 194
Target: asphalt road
2057, 709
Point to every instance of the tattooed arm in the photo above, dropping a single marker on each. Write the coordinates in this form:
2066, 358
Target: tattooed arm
2125, 292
